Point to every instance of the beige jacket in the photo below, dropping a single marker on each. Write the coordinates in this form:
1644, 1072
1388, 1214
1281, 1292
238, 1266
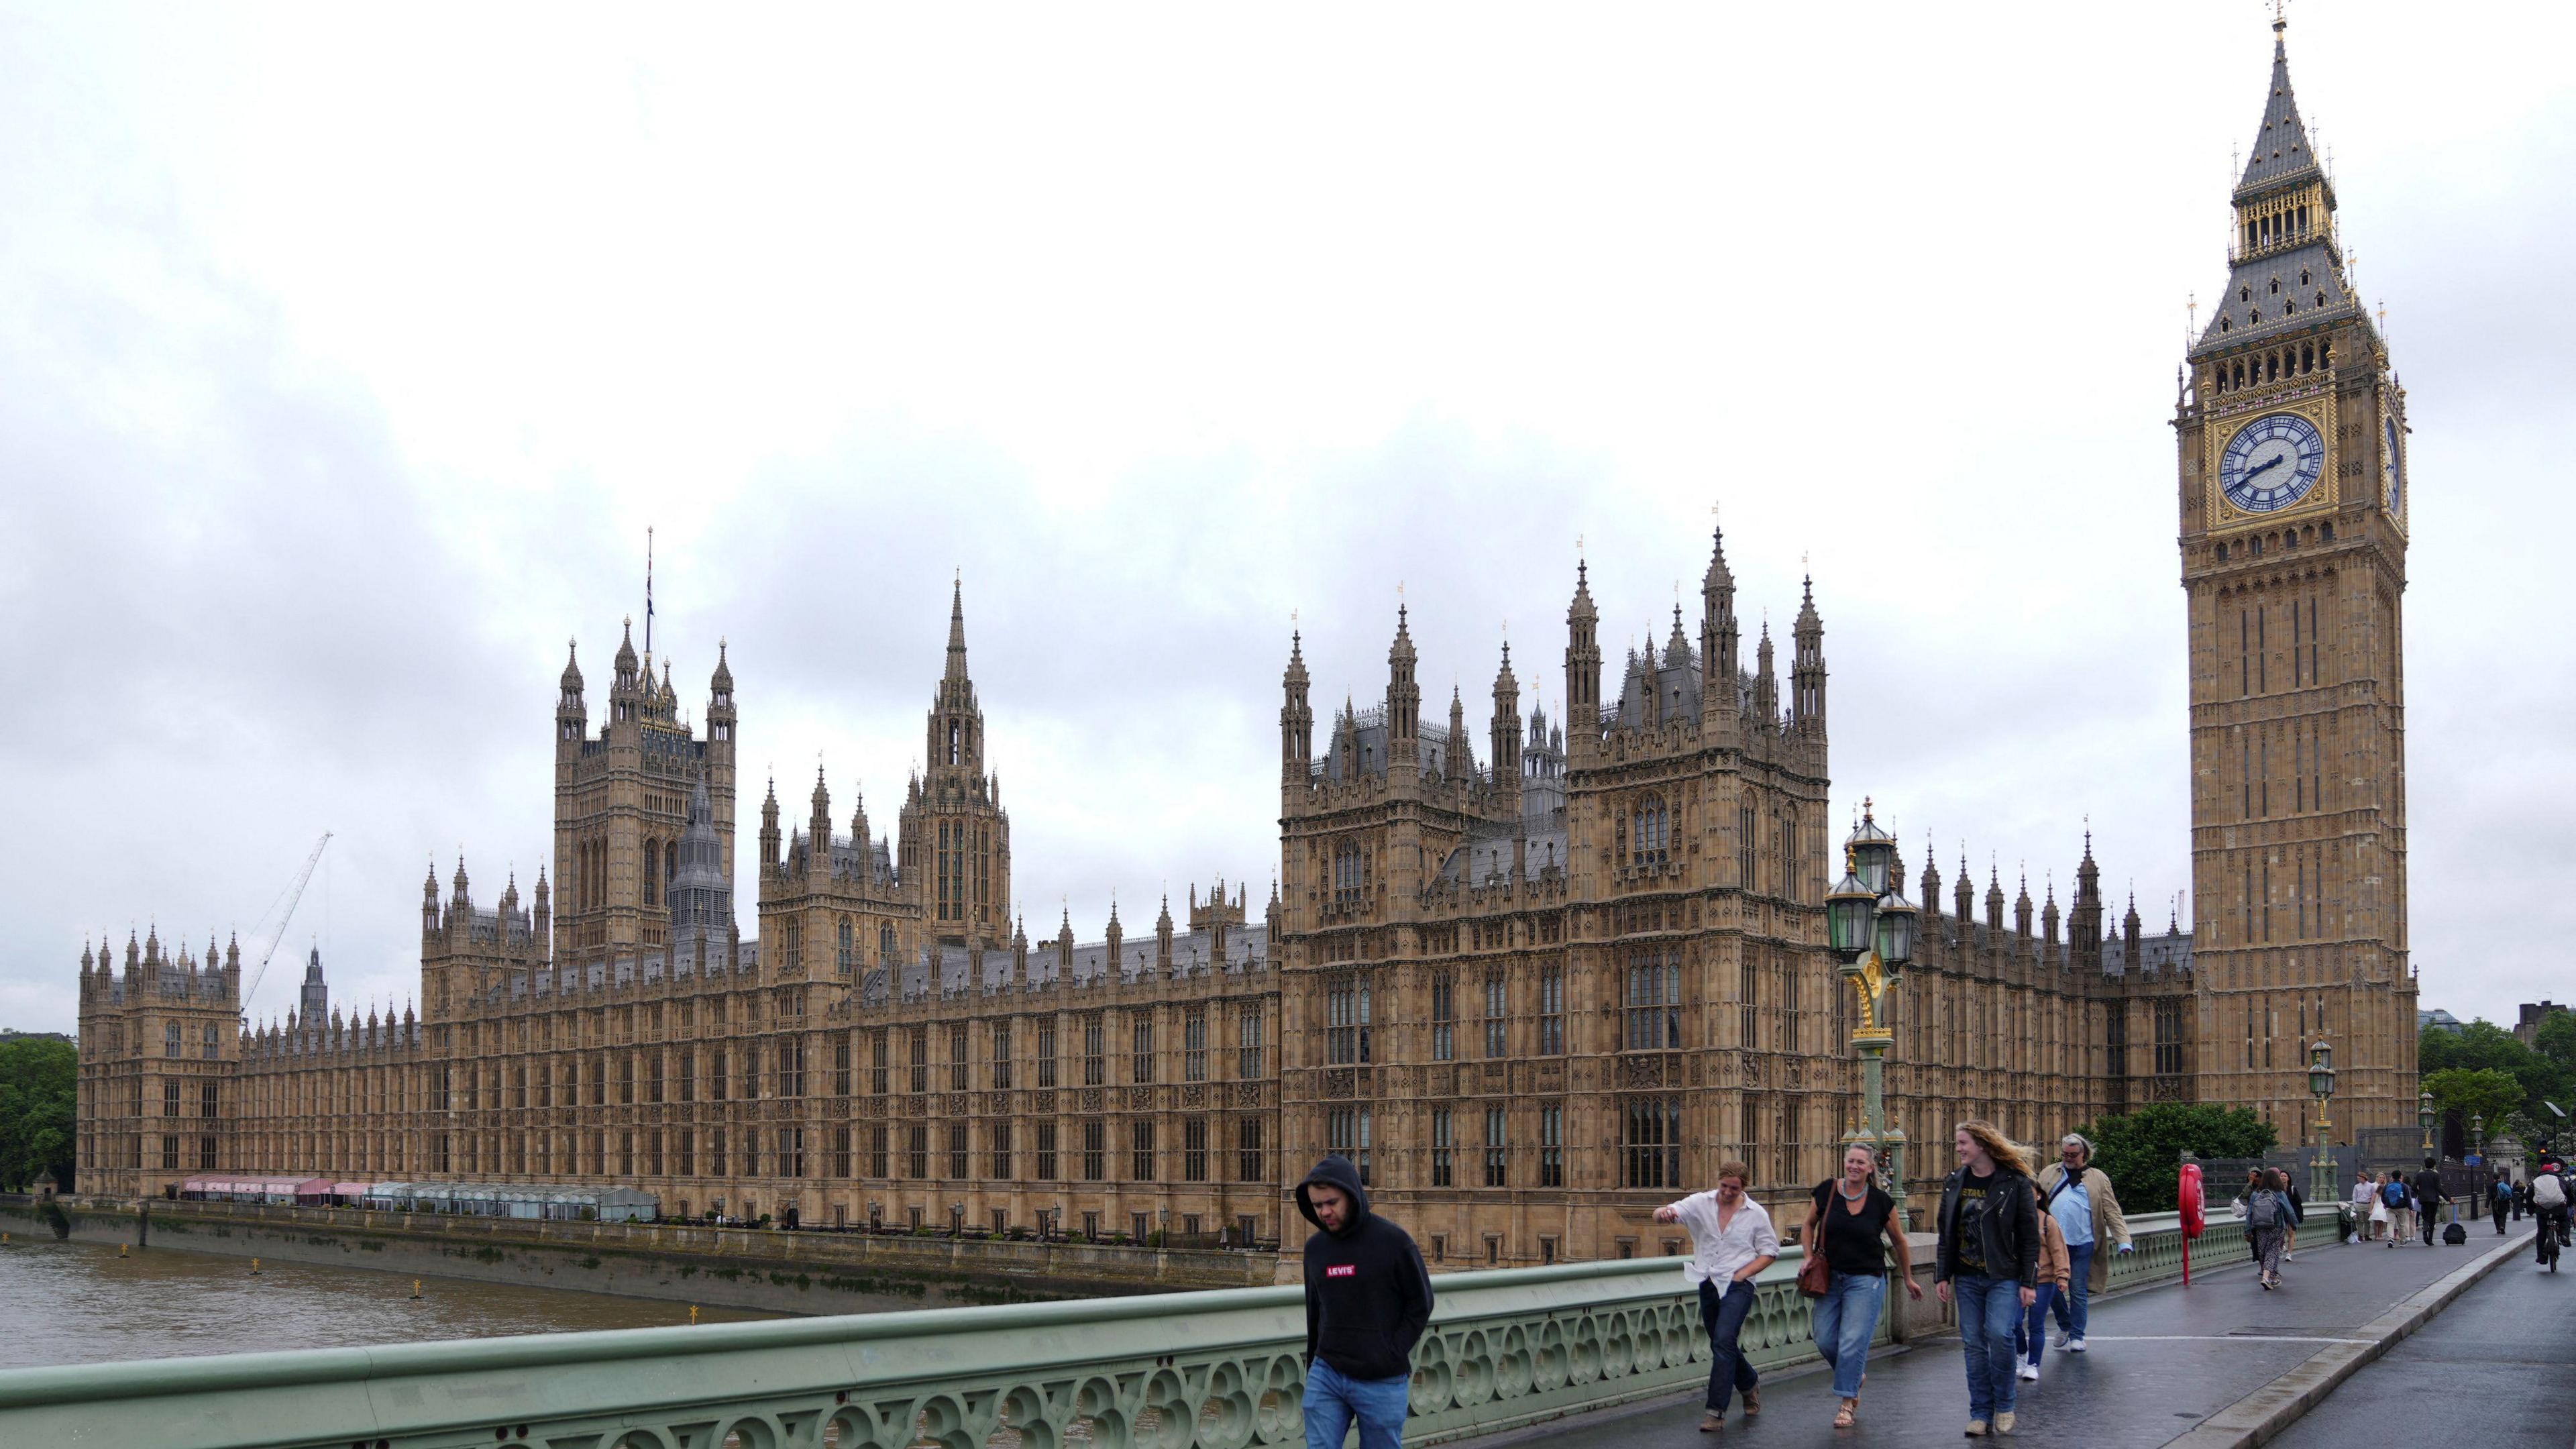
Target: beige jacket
2054, 1261
2110, 1226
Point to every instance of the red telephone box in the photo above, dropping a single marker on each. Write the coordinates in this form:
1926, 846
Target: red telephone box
2187, 1196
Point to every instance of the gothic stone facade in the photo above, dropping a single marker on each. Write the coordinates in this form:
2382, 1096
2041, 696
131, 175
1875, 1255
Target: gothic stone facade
1532, 994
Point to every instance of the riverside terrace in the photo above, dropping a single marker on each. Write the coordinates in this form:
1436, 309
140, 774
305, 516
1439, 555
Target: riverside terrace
1207, 1370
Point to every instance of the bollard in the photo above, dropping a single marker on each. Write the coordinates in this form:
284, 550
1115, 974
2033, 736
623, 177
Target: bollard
254, 1267
415, 1287
120, 1250
693, 1314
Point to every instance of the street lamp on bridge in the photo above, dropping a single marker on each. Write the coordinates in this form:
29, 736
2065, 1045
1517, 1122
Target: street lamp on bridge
1869, 925
2321, 1080
2424, 1119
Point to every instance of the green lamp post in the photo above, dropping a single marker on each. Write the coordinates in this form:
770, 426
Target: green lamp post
1869, 926
2321, 1079
2424, 1119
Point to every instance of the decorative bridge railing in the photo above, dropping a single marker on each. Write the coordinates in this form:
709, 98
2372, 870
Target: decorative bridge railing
1206, 1370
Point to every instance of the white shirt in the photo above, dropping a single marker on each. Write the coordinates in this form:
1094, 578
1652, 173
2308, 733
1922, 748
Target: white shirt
2364, 1194
1718, 1255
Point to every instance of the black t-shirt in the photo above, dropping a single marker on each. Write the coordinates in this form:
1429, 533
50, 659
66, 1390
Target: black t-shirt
1851, 1239
1970, 1221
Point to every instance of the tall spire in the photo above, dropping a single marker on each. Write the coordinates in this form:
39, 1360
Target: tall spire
957, 628
2281, 148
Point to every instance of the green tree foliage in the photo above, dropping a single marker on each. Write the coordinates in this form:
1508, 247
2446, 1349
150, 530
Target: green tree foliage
2486, 1093
35, 1112
2142, 1150
2483, 1046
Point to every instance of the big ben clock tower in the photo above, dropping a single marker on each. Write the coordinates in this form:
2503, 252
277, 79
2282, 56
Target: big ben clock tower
2292, 453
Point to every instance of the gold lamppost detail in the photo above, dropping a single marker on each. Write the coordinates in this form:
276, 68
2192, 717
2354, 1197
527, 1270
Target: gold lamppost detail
1869, 926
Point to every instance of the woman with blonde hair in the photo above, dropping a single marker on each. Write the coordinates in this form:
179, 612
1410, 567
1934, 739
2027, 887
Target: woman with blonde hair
1853, 1223
1987, 1265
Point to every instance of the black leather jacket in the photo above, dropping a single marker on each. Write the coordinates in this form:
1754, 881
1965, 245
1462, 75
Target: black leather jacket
2011, 1228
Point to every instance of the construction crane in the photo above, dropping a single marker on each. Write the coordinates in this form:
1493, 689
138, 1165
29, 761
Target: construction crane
293, 893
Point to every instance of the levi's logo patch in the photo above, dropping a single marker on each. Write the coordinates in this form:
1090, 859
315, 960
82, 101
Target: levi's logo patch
1342, 1270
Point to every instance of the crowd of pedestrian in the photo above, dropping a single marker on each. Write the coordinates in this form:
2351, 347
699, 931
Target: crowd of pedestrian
2013, 1249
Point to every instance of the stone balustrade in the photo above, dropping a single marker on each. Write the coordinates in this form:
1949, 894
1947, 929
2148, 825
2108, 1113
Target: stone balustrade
1205, 1370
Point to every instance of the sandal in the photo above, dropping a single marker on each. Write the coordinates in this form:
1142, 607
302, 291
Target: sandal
1844, 1415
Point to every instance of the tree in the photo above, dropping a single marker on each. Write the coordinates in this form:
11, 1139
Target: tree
2142, 1151
2486, 1093
36, 1075
2484, 1046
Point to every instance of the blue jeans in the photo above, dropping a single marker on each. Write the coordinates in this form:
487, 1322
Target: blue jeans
2035, 1322
1989, 1310
1846, 1317
2071, 1306
1728, 1368
1333, 1399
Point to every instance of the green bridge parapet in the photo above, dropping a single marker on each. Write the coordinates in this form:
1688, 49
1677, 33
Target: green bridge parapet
1206, 1370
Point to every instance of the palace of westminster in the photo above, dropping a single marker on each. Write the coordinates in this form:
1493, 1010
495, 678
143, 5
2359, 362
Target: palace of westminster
1534, 984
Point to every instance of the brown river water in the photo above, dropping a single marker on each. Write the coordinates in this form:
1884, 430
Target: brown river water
66, 1303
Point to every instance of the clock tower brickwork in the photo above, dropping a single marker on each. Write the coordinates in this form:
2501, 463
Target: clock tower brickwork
2290, 435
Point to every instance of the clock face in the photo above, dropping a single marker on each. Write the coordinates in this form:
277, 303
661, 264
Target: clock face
2392, 464
2271, 463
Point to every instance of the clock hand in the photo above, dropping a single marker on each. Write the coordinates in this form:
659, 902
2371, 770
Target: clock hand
2260, 468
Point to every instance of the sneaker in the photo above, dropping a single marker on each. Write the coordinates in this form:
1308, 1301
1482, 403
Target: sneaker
2062, 1340
2004, 1422
1976, 1428
1712, 1422
2075, 1344
2030, 1371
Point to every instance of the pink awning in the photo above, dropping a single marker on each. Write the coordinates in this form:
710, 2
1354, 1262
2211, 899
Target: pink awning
352, 1189
311, 1187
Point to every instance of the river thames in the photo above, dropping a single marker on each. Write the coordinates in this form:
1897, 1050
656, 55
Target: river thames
66, 1303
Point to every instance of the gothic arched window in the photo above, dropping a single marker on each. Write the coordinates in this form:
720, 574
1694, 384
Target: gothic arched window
1649, 834
847, 956
1346, 873
652, 873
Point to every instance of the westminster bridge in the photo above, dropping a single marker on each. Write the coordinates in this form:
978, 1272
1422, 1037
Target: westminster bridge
1507, 1349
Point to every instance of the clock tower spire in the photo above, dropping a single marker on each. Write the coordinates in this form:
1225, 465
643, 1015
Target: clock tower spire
2291, 452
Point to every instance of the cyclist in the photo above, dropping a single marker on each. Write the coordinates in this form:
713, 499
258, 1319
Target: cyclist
2549, 1204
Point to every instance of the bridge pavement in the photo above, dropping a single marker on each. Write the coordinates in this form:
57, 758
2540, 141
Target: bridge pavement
2497, 1370
2161, 1359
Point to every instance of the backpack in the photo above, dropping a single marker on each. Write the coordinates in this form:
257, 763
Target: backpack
2393, 1193
2263, 1209
2547, 1191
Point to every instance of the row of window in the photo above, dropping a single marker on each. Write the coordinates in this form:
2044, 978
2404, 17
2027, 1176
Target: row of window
1650, 1138
878, 1150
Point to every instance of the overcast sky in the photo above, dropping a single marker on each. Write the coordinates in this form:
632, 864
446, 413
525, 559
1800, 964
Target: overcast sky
345, 360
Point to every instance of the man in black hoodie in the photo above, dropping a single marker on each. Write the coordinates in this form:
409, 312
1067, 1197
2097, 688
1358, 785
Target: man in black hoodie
1368, 1298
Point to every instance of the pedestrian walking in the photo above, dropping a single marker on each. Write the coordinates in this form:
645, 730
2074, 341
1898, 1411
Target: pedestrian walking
2282, 1182
1368, 1298
2522, 1198
2365, 1205
1851, 1219
2256, 1179
2429, 1198
2030, 1340
1732, 1241
2267, 1222
2401, 1208
1987, 1265
2500, 1198
2079, 1196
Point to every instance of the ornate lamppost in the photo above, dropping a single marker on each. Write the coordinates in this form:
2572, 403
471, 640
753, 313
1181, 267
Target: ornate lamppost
2424, 1119
1869, 925
2321, 1079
